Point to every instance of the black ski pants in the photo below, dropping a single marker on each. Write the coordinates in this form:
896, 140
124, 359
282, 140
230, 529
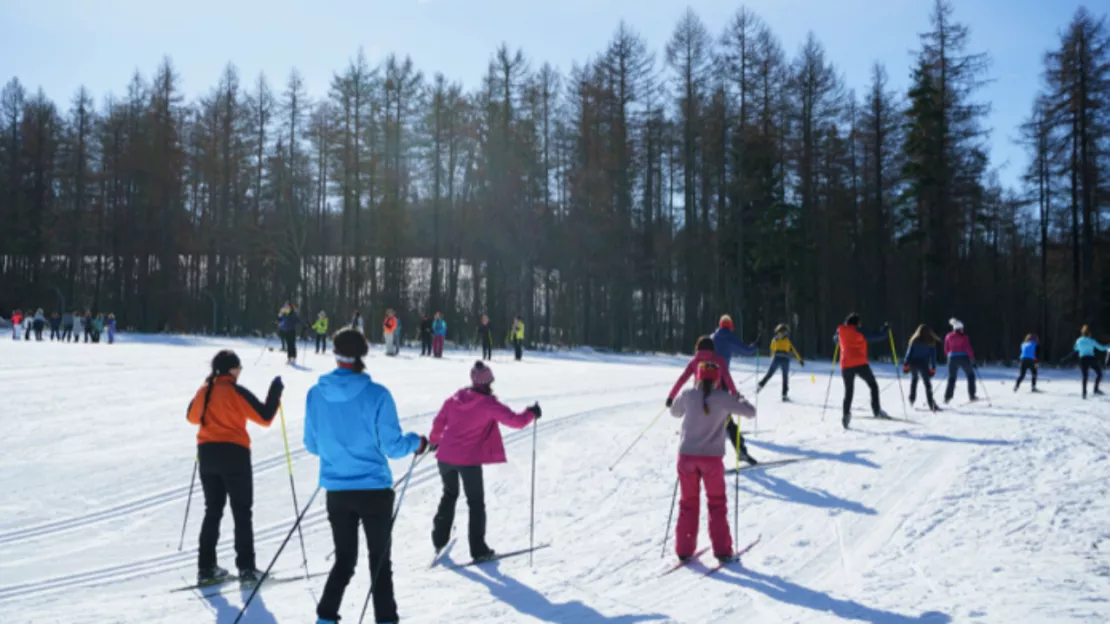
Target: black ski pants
321, 343
39, 326
67, 333
425, 344
956, 363
475, 490
864, 373
487, 350
518, 348
88, 332
289, 338
55, 332
735, 438
920, 370
1088, 363
374, 509
225, 472
778, 363
1030, 365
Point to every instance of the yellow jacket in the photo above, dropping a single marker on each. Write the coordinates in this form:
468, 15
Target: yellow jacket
516, 332
781, 344
321, 325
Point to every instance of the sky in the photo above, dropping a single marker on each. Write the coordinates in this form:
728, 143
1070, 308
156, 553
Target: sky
59, 45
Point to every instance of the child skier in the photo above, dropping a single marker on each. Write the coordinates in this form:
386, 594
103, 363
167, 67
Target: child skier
321, 328
389, 333
781, 350
111, 328
921, 362
853, 363
425, 336
957, 348
1086, 346
467, 434
703, 411
351, 425
222, 408
439, 331
484, 337
1028, 361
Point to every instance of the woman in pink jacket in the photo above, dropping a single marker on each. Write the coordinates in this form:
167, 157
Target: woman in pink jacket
467, 434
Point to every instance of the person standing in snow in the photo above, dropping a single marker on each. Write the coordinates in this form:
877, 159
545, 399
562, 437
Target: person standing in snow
957, 348
484, 337
921, 362
98, 328
55, 326
351, 424
781, 351
321, 329
111, 328
725, 344
516, 336
467, 435
87, 324
39, 324
221, 407
67, 326
1028, 361
287, 326
425, 336
356, 322
389, 333
17, 323
80, 328
1085, 347
853, 363
704, 411
439, 335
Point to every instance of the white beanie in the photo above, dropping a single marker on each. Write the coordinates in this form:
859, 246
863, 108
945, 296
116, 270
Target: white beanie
956, 324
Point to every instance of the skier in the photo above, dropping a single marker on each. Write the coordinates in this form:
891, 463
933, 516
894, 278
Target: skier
439, 329
921, 362
98, 327
781, 350
484, 337
351, 425
287, 326
706, 351
467, 435
957, 348
111, 328
88, 325
40, 324
425, 336
704, 410
516, 336
1028, 361
28, 325
321, 327
55, 326
356, 322
853, 363
389, 333
1085, 347
67, 326
17, 323
222, 408
80, 326
726, 343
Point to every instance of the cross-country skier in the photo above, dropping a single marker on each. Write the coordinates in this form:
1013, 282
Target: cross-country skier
356, 322
706, 351
1085, 347
67, 325
516, 337
55, 326
17, 324
781, 351
351, 424
98, 327
222, 408
957, 348
111, 328
853, 363
725, 344
321, 329
439, 334
39, 324
704, 411
87, 325
389, 332
467, 435
1028, 361
80, 326
287, 327
484, 337
921, 362
425, 336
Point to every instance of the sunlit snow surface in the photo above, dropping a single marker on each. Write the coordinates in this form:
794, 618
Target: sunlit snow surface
981, 514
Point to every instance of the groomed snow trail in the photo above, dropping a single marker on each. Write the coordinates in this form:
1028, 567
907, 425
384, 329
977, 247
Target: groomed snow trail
985, 513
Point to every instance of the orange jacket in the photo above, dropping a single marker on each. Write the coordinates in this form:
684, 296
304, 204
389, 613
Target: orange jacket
230, 406
853, 345
389, 324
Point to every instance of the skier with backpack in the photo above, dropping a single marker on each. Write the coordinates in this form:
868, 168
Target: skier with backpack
351, 424
853, 363
957, 348
1028, 361
704, 411
781, 351
467, 436
921, 363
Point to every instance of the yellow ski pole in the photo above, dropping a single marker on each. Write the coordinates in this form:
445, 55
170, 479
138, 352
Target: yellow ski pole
898, 371
292, 486
627, 450
828, 389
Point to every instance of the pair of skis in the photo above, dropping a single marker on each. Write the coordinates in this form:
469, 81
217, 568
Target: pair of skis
497, 557
720, 564
225, 584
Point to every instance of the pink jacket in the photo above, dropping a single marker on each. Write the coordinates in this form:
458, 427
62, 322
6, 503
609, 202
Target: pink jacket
692, 367
466, 429
958, 342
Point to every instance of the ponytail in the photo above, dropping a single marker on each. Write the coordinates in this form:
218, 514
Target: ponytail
207, 396
359, 365
706, 391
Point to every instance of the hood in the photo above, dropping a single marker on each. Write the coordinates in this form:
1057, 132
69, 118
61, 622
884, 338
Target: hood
469, 399
342, 385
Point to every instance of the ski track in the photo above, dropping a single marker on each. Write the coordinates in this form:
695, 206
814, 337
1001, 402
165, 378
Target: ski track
978, 514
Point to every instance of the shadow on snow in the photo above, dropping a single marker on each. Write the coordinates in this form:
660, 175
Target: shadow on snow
227, 612
777, 488
847, 457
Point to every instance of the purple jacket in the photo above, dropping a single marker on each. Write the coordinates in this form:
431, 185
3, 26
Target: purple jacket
466, 428
957, 343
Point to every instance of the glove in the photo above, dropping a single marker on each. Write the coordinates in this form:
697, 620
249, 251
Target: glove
425, 446
670, 401
276, 385
536, 411
802, 363
932, 372
905, 368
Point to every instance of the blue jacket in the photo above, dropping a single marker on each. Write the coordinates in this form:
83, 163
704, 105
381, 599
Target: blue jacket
1029, 350
923, 353
439, 327
289, 321
351, 424
1086, 346
726, 343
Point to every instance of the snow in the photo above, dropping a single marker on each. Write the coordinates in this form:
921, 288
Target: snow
986, 513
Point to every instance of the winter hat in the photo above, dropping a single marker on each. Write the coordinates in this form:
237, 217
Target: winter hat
781, 328
956, 324
225, 361
708, 371
726, 321
481, 375
705, 343
349, 347
853, 319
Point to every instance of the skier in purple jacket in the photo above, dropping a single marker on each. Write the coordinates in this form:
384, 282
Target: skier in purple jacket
467, 435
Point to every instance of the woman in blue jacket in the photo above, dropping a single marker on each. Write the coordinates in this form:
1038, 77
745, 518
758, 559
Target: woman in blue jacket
921, 362
1086, 346
351, 424
439, 331
1028, 361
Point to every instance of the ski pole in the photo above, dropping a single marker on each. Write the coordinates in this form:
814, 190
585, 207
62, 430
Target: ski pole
292, 486
532, 518
828, 389
263, 352
296, 527
389, 540
983, 385
898, 371
670, 517
188, 503
756, 409
634, 442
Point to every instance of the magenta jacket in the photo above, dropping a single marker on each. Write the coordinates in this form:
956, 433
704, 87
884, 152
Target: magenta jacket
957, 343
692, 367
466, 428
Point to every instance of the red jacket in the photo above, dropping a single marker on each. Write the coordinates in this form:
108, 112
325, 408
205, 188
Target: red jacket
692, 367
853, 345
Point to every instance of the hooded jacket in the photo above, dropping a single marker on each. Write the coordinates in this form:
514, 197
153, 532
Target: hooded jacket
466, 428
321, 325
692, 367
439, 327
726, 343
1086, 346
957, 343
351, 425
921, 353
288, 322
705, 434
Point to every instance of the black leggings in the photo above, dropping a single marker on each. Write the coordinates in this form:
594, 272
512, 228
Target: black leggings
321, 343
374, 509
474, 488
1027, 365
225, 472
864, 373
1086, 364
290, 340
778, 362
920, 370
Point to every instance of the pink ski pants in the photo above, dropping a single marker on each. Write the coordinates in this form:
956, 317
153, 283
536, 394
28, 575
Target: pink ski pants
692, 471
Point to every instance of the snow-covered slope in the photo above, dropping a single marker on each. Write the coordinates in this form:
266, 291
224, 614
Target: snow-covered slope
980, 514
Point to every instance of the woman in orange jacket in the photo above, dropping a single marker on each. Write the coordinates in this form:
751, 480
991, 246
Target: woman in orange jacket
222, 408
853, 363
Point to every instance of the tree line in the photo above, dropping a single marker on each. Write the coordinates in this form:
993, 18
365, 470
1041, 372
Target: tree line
623, 204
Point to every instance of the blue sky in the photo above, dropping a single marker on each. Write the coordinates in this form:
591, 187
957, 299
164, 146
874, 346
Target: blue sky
61, 44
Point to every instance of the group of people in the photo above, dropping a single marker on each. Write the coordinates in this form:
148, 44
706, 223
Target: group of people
351, 424
1086, 349
433, 332
65, 327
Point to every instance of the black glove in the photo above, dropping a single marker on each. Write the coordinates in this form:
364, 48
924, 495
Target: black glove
276, 385
802, 363
425, 446
536, 411
670, 401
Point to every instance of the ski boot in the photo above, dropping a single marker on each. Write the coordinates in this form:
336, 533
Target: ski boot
759, 387
785, 399
1099, 392
726, 559
847, 420
489, 555
744, 456
881, 415
250, 578
212, 576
